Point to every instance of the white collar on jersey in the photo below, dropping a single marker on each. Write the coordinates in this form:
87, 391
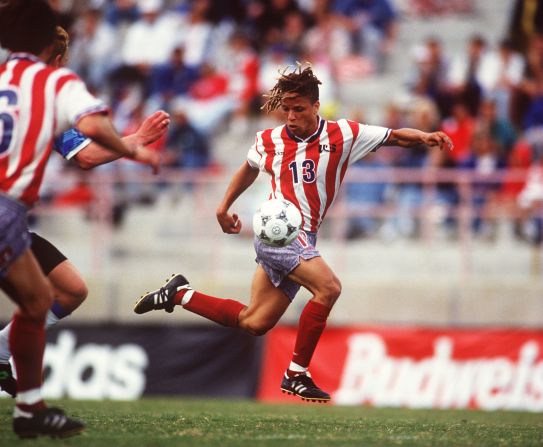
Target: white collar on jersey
22, 55
311, 137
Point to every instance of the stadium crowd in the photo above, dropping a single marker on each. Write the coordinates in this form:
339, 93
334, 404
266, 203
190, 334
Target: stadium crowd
208, 63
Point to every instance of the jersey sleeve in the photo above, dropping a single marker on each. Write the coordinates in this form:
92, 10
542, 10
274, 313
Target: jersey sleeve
74, 101
255, 154
70, 143
369, 139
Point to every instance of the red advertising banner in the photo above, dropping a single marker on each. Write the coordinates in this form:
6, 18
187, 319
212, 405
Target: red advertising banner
417, 367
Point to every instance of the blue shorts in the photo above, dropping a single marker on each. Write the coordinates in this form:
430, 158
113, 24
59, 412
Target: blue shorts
14, 235
278, 262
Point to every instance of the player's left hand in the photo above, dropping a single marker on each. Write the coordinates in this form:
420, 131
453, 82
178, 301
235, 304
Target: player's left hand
439, 139
153, 127
149, 157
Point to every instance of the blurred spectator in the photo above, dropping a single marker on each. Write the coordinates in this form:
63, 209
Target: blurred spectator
529, 101
530, 198
170, 80
459, 126
409, 195
501, 71
501, 129
267, 19
328, 39
365, 199
94, 49
151, 39
484, 161
242, 68
526, 20
463, 77
195, 33
186, 147
372, 24
446, 193
209, 103
429, 75
121, 13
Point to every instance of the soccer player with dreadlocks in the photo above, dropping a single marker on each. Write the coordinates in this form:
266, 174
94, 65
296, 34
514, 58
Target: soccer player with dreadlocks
307, 158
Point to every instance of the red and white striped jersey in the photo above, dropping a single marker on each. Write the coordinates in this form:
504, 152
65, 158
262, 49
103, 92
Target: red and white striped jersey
37, 102
309, 172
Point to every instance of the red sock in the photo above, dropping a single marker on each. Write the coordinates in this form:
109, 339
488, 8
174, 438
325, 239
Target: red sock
310, 328
27, 344
219, 310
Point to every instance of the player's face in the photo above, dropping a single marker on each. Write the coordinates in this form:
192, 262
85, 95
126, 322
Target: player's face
300, 114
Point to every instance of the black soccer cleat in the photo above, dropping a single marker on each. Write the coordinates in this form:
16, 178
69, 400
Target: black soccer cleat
162, 298
7, 381
302, 385
46, 422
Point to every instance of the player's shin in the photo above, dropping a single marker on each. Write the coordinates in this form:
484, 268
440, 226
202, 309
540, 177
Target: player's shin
27, 344
311, 326
219, 310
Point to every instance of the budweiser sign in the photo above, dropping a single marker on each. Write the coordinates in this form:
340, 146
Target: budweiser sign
371, 375
419, 368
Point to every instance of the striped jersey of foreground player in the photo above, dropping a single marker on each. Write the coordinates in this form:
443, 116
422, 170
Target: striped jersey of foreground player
306, 159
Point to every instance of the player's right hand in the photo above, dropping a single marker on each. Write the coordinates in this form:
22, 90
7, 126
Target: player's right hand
229, 223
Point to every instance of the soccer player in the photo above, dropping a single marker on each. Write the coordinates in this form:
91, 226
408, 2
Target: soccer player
37, 103
69, 287
307, 158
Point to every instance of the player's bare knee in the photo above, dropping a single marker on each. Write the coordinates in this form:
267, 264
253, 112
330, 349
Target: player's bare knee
79, 294
330, 292
256, 328
37, 303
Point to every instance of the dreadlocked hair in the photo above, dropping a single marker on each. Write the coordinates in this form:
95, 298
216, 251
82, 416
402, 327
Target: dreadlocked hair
301, 81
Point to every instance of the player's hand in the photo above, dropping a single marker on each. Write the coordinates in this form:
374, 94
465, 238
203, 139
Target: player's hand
153, 127
229, 223
148, 157
439, 139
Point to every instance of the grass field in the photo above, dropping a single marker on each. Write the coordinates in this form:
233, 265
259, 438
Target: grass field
203, 423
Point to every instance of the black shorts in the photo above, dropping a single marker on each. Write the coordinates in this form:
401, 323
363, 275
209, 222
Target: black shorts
47, 255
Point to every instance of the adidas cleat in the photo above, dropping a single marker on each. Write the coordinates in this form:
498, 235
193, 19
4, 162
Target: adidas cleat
162, 298
7, 381
302, 385
46, 422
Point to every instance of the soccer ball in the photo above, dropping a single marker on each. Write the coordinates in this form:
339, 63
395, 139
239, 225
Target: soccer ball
277, 222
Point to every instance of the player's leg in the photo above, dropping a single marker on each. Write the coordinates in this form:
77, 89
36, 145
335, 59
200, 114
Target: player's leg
266, 306
69, 290
316, 276
34, 296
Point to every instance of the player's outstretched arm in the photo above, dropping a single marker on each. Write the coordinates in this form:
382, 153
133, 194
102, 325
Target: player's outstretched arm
412, 137
243, 178
152, 128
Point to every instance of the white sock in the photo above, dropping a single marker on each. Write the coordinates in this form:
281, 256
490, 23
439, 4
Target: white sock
294, 367
5, 353
51, 319
187, 296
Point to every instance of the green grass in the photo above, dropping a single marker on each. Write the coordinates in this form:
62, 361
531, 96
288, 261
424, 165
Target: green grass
203, 423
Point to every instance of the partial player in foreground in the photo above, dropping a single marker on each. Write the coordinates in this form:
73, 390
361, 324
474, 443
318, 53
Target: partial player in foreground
37, 103
306, 159
69, 287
